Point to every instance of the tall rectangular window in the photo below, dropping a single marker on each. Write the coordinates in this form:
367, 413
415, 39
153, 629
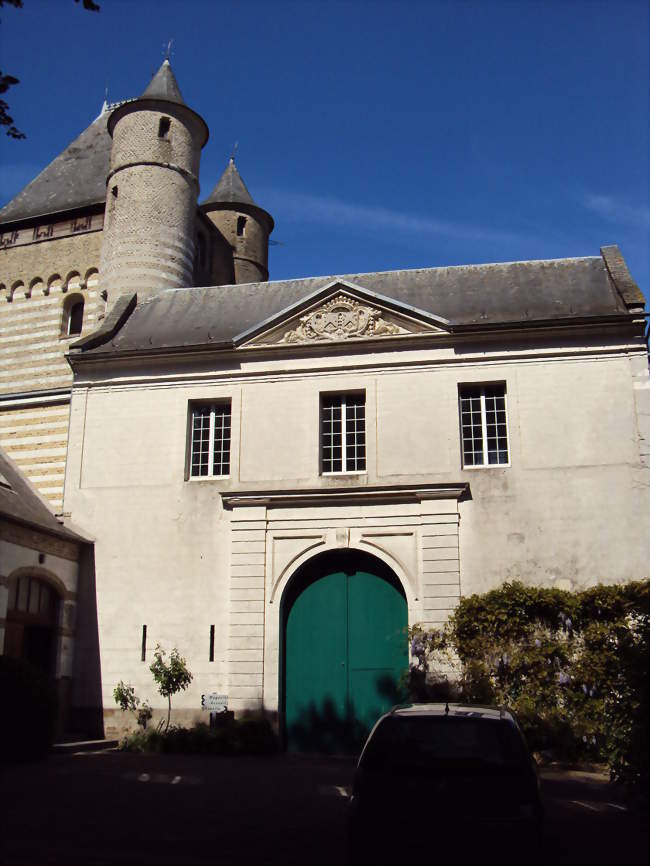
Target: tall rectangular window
210, 448
343, 433
483, 423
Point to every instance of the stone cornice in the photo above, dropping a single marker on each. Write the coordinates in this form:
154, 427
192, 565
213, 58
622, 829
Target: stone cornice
345, 496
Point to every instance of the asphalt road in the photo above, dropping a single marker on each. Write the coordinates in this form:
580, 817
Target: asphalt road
116, 808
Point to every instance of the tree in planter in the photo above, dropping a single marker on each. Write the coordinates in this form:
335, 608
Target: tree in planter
126, 699
171, 677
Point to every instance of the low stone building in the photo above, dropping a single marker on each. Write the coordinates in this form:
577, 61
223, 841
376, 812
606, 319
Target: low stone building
280, 477
40, 563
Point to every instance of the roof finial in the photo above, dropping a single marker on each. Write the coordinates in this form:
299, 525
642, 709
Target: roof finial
105, 105
233, 152
168, 50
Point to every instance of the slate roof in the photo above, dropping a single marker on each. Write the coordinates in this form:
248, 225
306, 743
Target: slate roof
230, 188
21, 502
75, 179
470, 295
164, 86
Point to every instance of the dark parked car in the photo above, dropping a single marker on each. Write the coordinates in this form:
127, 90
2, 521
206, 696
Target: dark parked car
446, 783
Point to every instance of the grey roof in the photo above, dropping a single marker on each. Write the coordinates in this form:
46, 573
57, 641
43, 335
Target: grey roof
164, 86
75, 179
465, 296
21, 502
230, 188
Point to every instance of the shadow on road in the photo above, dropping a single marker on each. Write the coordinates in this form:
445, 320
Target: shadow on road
121, 808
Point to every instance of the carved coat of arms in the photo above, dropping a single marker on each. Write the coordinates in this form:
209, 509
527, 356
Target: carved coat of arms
340, 319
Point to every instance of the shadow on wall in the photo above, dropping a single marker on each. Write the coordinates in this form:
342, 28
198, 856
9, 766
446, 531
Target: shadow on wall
324, 729
87, 712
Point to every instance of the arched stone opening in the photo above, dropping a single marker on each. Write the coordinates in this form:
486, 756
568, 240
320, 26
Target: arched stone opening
33, 622
344, 650
72, 315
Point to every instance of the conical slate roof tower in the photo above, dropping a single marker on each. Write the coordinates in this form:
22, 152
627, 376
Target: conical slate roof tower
152, 191
245, 225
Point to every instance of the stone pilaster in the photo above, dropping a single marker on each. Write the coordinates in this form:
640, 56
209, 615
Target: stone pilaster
246, 630
440, 566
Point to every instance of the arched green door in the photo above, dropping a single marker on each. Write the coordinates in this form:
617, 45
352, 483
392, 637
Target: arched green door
344, 654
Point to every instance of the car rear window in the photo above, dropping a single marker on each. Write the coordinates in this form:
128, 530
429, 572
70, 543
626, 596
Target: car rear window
423, 739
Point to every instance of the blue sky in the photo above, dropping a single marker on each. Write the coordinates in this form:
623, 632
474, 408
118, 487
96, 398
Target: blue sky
380, 135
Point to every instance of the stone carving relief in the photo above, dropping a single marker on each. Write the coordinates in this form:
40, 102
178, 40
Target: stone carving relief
341, 318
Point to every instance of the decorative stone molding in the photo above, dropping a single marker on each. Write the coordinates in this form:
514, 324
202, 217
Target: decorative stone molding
345, 496
340, 319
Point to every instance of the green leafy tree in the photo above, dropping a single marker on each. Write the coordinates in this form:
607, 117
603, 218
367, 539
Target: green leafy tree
126, 699
171, 676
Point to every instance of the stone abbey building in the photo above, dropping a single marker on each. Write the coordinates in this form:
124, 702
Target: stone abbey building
278, 477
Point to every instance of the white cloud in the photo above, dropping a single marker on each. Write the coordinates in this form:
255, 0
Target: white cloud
618, 210
324, 210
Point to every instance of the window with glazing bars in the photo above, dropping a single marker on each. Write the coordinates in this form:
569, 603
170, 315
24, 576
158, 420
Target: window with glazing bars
210, 451
484, 427
343, 433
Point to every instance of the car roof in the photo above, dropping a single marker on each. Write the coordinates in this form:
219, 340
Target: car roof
474, 711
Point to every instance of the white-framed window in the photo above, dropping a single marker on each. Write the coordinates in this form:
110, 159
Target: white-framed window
343, 433
210, 440
483, 425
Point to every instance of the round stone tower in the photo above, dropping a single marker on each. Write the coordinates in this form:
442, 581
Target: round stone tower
152, 190
244, 225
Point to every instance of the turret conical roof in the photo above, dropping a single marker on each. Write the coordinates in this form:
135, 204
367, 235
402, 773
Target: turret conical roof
164, 86
230, 188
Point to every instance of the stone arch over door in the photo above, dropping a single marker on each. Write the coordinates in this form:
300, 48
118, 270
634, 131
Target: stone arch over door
344, 648
32, 627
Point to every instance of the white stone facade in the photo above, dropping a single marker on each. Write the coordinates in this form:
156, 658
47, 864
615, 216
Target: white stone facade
178, 554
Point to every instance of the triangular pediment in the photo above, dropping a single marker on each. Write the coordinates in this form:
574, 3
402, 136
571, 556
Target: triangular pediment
341, 312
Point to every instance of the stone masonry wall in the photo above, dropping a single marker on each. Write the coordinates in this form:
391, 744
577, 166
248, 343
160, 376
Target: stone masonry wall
37, 281
151, 205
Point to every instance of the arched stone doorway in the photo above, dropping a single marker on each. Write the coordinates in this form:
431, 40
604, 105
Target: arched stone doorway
344, 647
32, 625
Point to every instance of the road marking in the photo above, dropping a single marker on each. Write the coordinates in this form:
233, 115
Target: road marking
333, 791
585, 805
164, 779
617, 806
98, 752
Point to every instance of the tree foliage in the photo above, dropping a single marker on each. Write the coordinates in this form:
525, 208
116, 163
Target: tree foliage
171, 676
572, 665
126, 698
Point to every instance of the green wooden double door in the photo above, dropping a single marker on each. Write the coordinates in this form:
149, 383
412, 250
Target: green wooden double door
345, 651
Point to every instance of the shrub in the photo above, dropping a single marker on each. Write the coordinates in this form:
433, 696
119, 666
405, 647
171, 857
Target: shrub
247, 736
573, 666
126, 698
29, 711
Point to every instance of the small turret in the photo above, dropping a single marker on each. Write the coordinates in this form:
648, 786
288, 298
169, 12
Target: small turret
244, 224
152, 190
